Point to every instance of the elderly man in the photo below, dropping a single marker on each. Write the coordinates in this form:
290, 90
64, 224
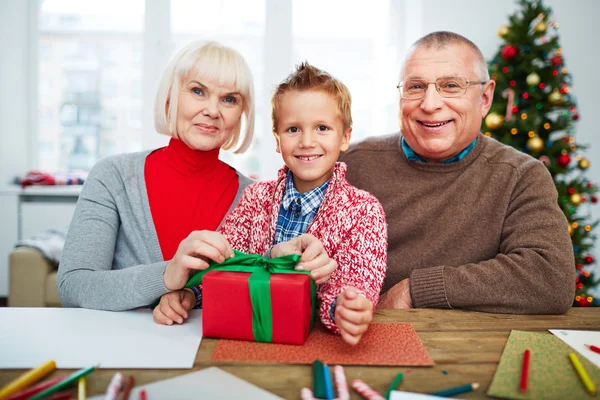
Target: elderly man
472, 223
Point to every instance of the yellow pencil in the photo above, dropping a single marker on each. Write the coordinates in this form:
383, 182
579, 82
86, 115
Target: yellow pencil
81, 388
28, 378
585, 378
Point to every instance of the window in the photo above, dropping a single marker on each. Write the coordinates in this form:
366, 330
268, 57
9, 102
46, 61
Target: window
94, 83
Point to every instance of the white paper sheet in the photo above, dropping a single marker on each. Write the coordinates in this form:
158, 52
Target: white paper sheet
78, 338
578, 340
398, 395
211, 383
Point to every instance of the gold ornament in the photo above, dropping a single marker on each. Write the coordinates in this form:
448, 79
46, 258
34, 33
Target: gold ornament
502, 31
555, 97
575, 199
535, 144
494, 120
533, 79
584, 163
571, 230
540, 27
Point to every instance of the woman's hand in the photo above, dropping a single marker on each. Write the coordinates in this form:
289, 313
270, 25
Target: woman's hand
174, 306
194, 253
313, 258
353, 314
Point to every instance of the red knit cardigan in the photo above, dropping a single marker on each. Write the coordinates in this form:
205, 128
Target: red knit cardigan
350, 223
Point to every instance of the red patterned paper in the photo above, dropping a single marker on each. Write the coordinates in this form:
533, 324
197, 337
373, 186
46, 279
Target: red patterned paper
382, 344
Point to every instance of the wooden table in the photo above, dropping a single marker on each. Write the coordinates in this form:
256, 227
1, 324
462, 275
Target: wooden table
466, 344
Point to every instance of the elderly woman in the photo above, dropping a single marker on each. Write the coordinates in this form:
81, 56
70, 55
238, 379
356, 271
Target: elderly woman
145, 221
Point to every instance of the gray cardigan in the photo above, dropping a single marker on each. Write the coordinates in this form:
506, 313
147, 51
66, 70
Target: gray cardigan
112, 259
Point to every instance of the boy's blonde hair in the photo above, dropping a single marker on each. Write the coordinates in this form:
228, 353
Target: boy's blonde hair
208, 60
307, 77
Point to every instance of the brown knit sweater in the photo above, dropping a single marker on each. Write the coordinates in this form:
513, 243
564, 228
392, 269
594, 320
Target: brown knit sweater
485, 233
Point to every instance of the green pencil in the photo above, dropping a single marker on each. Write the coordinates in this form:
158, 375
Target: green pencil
70, 379
318, 380
394, 385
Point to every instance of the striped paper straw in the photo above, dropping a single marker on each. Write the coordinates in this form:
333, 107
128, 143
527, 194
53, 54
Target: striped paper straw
365, 390
340, 383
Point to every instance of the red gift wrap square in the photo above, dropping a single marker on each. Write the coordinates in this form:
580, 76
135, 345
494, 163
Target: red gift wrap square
227, 310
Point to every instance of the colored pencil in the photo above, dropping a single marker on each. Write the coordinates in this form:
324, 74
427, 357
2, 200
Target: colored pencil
81, 392
394, 385
142, 394
593, 348
306, 394
28, 378
114, 387
585, 378
340, 383
27, 393
366, 391
525, 371
328, 385
61, 396
66, 382
128, 387
457, 390
318, 380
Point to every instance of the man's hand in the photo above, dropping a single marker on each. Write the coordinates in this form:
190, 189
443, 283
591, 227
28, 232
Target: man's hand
398, 297
314, 257
174, 306
353, 313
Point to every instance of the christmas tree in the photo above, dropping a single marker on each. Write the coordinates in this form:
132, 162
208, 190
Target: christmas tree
534, 111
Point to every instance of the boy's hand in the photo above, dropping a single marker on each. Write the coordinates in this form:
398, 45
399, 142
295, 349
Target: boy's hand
313, 258
174, 306
353, 313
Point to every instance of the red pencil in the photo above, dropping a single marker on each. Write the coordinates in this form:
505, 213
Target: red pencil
128, 387
142, 394
27, 393
593, 348
525, 371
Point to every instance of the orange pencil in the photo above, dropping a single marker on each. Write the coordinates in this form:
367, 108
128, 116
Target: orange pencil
525, 371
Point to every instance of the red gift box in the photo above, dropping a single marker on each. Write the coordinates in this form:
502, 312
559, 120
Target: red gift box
227, 309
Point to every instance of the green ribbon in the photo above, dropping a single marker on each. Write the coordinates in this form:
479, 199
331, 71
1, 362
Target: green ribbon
259, 286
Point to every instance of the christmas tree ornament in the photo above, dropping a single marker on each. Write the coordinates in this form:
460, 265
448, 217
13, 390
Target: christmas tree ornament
563, 160
555, 97
589, 259
575, 199
502, 31
509, 52
540, 27
535, 144
584, 163
556, 60
594, 199
494, 120
571, 230
533, 79
575, 117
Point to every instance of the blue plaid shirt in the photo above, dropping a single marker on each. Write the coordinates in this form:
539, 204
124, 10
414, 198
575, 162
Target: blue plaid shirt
412, 156
297, 210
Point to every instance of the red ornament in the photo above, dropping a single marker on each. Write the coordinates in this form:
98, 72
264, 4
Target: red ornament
575, 117
515, 109
563, 160
579, 285
555, 73
525, 95
564, 90
572, 108
589, 259
505, 70
583, 199
583, 301
571, 190
509, 52
594, 199
556, 60
579, 266
542, 85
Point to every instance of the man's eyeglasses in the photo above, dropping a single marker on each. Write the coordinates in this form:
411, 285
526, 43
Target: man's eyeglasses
449, 86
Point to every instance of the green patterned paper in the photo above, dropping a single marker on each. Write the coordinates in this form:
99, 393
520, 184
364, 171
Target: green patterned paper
551, 374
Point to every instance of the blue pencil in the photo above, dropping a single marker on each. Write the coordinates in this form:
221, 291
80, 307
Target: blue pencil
457, 390
328, 385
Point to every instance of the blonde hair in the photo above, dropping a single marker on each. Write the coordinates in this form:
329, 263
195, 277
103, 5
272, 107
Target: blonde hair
307, 77
213, 61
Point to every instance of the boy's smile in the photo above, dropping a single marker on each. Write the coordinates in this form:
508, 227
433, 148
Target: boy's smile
310, 135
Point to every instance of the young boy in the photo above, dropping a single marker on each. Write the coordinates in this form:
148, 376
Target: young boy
312, 124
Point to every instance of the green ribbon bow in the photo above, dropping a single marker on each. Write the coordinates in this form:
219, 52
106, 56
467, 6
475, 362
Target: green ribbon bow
259, 286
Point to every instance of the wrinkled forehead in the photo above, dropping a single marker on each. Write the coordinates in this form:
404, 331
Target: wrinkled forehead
431, 63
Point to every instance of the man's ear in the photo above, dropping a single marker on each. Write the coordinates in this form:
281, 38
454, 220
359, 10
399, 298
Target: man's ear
346, 139
487, 96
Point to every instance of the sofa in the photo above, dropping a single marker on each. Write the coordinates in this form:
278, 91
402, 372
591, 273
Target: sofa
32, 281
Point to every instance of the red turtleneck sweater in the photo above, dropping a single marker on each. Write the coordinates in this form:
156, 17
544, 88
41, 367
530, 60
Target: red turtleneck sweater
187, 190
